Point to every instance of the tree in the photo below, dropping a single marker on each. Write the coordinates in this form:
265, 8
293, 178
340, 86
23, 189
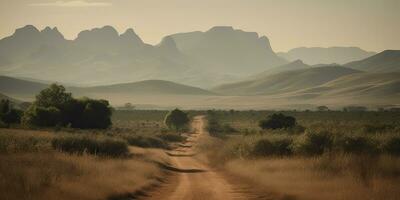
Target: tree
8, 114
54, 96
42, 116
91, 113
54, 106
277, 121
176, 119
322, 108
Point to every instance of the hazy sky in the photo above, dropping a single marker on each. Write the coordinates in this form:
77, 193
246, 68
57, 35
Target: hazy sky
369, 24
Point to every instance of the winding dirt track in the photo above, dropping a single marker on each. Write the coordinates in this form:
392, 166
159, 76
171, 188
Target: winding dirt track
192, 179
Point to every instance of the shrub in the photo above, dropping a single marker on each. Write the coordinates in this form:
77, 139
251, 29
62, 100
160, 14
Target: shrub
41, 116
53, 106
374, 128
392, 146
277, 121
272, 146
89, 113
263, 147
8, 114
314, 143
176, 119
357, 144
96, 146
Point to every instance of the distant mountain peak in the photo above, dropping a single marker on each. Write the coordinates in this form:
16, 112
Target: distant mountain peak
130, 35
105, 32
168, 41
28, 29
52, 33
221, 29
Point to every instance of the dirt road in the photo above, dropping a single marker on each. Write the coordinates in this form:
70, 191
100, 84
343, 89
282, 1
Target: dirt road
192, 179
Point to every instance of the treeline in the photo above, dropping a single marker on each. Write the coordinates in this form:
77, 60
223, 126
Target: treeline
54, 107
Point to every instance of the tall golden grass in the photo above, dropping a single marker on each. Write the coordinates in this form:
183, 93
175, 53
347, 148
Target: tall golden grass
31, 169
308, 178
60, 176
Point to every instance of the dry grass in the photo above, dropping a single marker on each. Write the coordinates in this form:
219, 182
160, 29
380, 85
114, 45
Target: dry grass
308, 179
61, 176
31, 169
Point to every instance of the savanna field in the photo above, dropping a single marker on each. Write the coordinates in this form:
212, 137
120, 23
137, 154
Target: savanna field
325, 155
199, 100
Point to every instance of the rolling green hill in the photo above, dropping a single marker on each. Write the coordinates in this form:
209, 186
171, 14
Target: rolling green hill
148, 87
287, 81
386, 61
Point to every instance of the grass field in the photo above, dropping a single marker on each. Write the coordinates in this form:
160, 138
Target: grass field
64, 163
327, 155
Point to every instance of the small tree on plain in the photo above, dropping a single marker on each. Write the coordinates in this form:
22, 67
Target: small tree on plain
322, 108
176, 119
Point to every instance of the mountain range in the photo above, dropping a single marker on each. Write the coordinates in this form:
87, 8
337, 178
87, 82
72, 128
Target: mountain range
102, 56
331, 55
110, 57
239, 68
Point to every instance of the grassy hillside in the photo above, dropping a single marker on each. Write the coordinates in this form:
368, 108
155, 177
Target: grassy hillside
378, 85
27, 90
295, 65
148, 87
19, 88
286, 81
386, 61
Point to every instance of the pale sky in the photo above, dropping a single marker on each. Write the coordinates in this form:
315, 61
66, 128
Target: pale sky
370, 24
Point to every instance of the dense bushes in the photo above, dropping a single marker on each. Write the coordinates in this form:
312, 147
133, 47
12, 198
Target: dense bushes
42, 116
96, 146
392, 146
53, 106
176, 119
272, 146
215, 128
277, 121
313, 143
8, 114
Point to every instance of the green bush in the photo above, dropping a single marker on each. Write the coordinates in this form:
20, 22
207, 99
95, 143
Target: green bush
273, 146
53, 106
374, 128
277, 121
8, 114
95, 146
392, 146
89, 113
176, 119
41, 116
357, 144
314, 143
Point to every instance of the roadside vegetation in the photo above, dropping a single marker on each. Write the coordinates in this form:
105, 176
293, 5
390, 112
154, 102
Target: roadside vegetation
60, 147
351, 154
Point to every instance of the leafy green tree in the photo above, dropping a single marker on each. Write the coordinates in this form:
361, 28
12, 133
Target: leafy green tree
90, 113
54, 106
176, 119
42, 116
